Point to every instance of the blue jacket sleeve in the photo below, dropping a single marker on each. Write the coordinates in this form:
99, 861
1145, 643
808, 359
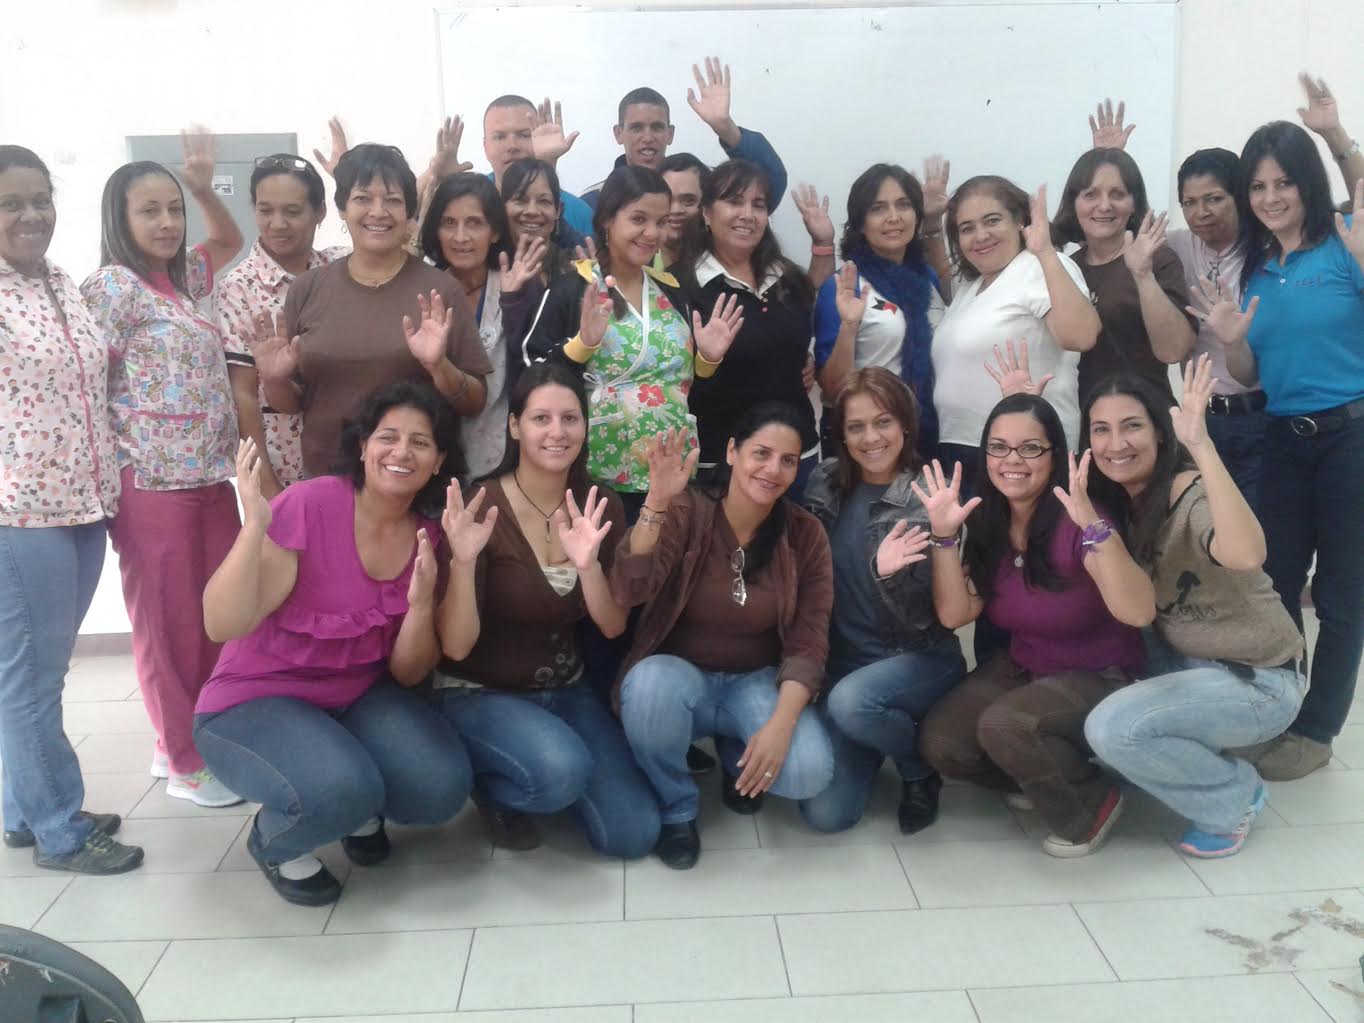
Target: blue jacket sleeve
577, 214
826, 321
753, 145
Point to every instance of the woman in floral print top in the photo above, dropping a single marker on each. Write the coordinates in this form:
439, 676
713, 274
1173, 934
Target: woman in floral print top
58, 483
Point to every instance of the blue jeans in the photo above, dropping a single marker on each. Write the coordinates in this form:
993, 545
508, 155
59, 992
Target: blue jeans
873, 713
47, 580
1166, 735
666, 702
556, 749
320, 774
1240, 443
1312, 502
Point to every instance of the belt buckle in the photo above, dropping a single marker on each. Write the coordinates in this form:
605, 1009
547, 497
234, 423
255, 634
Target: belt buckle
1304, 426
1219, 404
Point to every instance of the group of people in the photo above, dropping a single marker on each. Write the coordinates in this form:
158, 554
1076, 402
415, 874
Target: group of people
534, 495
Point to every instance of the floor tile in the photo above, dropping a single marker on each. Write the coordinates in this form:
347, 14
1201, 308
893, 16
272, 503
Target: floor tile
102, 717
938, 949
1327, 797
1349, 746
116, 751
614, 963
1017, 873
1164, 938
312, 976
101, 678
750, 882
169, 906
460, 839
238, 859
129, 961
1339, 992
540, 889
1277, 860
24, 899
157, 804
1207, 1000
172, 846
584, 1014
937, 1007
116, 792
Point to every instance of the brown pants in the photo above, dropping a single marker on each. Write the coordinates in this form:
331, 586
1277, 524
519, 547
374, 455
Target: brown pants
1004, 728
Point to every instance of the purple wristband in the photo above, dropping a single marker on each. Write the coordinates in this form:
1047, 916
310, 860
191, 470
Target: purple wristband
1095, 533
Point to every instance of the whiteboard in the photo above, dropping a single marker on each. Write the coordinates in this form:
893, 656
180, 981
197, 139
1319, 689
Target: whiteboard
1000, 88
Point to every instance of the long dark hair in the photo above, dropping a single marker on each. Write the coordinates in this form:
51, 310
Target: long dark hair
1013, 199
1139, 521
623, 186
1066, 226
891, 394
116, 245
763, 546
987, 529
517, 178
860, 198
444, 430
457, 186
533, 377
1293, 150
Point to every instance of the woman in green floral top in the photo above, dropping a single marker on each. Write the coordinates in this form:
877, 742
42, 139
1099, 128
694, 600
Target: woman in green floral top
628, 329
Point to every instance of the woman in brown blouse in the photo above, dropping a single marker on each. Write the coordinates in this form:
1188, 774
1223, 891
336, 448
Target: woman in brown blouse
737, 586
524, 578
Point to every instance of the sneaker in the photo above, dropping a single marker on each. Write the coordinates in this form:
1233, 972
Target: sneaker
320, 888
919, 803
679, 845
202, 788
1291, 757
99, 855
508, 829
105, 823
699, 761
1208, 846
1018, 801
160, 764
730, 796
368, 850
1109, 812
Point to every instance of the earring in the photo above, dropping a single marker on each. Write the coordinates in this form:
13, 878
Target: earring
345, 228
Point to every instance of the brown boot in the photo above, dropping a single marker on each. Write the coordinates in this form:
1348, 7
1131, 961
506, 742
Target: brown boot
1293, 756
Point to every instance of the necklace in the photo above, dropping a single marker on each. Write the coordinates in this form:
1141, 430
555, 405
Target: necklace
540, 511
372, 284
1018, 561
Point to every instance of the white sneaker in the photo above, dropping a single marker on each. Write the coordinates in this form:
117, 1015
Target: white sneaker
202, 788
160, 764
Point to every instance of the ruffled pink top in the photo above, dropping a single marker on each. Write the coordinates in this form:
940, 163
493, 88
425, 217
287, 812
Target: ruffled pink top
331, 638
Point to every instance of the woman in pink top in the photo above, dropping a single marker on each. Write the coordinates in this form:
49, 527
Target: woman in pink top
327, 599
176, 430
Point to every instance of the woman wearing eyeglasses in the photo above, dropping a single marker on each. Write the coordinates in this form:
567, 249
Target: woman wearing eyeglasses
1040, 562
737, 586
377, 317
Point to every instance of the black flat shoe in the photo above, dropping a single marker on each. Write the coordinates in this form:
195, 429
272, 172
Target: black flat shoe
919, 804
699, 761
105, 824
679, 845
320, 889
367, 850
508, 829
746, 805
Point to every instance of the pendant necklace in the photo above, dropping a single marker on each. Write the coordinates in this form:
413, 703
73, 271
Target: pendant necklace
540, 511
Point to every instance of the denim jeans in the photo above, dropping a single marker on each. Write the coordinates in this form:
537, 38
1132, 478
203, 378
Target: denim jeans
1240, 443
1166, 735
1312, 502
557, 749
873, 713
666, 702
320, 774
47, 580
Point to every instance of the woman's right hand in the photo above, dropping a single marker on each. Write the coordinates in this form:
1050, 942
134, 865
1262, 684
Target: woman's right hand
255, 507
1013, 375
1037, 235
942, 499
525, 266
670, 467
463, 532
1219, 310
596, 310
851, 306
901, 548
276, 354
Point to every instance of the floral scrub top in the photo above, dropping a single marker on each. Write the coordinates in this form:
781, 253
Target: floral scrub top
174, 418
258, 284
57, 462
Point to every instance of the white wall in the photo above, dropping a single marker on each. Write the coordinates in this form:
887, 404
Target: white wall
77, 76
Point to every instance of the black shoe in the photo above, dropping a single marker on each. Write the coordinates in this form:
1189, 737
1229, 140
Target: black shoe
508, 829
321, 889
699, 761
105, 824
919, 804
746, 805
99, 855
679, 845
367, 850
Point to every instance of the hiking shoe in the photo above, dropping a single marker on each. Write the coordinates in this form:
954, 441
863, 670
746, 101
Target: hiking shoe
1109, 812
1291, 757
105, 823
1208, 846
202, 788
99, 855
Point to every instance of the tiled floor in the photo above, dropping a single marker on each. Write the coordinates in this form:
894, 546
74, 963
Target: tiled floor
969, 921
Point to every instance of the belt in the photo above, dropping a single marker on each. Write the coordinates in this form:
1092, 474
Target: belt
1329, 419
1236, 404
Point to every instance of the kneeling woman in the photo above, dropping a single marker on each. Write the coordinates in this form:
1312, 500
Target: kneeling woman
522, 581
738, 585
1042, 564
1235, 677
328, 605
889, 657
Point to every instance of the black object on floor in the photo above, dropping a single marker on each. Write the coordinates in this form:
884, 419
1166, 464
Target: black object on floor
679, 845
746, 805
46, 980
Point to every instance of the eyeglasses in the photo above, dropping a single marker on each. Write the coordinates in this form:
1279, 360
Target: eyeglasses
1028, 449
738, 592
283, 160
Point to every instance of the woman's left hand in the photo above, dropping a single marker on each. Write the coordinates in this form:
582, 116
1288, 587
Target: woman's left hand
714, 337
197, 143
1014, 375
1139, 250
901, 548
582, 531
937, 170
763, 757
815, 212
1190, 416
421, 591
427, 342
1353, 235
1076, 502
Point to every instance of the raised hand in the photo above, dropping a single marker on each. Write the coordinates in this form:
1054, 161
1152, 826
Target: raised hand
199, 150
941, 498
525, 267
596, 309
901, 548
446, 158
1220, 311
1353, 234
1076, 501
421, 590
339, 147
547, 139
1190, 416
427, 342
1013, 373
1108, 130
275, 352
936, 173
1037, 234
587, 250
1139, 250
1321, 113
670, 466
255, 507
851, 305
463, 532
582, 531
710, 98
714, 337
814, 211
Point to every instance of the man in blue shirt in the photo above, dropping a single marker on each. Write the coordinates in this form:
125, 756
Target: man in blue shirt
509, 125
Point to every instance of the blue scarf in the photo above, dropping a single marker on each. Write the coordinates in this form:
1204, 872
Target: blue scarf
910, 286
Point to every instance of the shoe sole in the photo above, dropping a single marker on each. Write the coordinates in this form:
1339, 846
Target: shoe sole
122, 868
1256, 808
178, 793
1074, 852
